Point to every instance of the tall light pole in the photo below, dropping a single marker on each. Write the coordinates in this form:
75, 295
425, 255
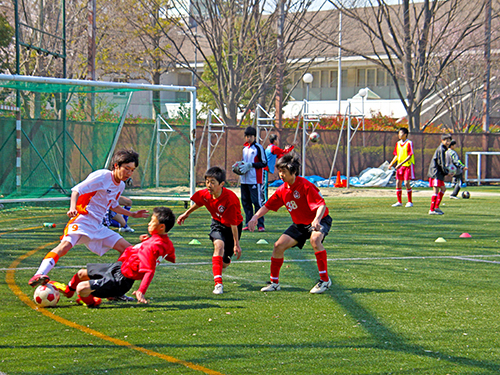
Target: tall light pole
363, 93
307, 79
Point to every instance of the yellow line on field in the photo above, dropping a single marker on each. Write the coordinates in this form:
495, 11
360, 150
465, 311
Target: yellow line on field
23, 297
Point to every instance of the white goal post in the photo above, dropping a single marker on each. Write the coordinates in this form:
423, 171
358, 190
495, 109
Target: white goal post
479, 155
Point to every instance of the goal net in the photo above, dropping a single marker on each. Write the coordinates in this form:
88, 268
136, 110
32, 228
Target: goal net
56, 131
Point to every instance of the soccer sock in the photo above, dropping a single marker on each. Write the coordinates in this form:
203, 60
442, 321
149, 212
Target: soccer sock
439, 198
433, 201
48, 263
276, 264
409, 193
75, 280
399, 194
217, 269
89, 300
322, 265
125, 217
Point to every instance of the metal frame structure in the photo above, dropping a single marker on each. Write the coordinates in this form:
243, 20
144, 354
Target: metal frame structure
479, 155
114, 86
264, 123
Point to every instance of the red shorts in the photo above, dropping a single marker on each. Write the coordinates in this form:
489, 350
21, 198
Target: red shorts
434, 182
405, 173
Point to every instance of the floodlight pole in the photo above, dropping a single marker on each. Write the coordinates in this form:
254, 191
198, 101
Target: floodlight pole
307, 78
348, 161
363, 93
192, 145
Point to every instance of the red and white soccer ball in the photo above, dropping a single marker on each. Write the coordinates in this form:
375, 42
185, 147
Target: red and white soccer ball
46, 296
314, 137
237, 167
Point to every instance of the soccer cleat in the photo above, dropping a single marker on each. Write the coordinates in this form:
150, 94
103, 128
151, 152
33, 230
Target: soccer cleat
97, 302
262, 229
397, 204
321, 286
409, 204
271, 287
126, 229
454, 197
123, 298
437, 209
431, 212
38, 280
62, 288
219, 289
245, 228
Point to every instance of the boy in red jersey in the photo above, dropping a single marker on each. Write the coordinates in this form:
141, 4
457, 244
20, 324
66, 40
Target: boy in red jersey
136, 263
437, 172
225, 230
405, 167
310, 219
89, 201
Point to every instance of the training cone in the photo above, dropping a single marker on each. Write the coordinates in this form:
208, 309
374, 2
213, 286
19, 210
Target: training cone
194, 241
440, 239
338, 183
262, 242
465, 235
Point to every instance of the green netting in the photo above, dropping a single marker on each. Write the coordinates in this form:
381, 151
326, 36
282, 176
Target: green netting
58, 153
60, 88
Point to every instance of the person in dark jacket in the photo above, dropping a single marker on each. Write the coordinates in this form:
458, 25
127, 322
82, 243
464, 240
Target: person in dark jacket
437, 173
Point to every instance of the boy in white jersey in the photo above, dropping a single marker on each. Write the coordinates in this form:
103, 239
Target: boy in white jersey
405, 167
89, 201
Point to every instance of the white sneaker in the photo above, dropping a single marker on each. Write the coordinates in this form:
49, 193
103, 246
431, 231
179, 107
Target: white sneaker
271, 287
321, 286
397, 204
454, 197
409, 204
126, 229
219, 289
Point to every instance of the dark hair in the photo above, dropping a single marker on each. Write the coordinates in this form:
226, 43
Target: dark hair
453, 143
291, 162
124, 157
165, 216
218, 173
404, 130
250, 131
273, 138
446, 136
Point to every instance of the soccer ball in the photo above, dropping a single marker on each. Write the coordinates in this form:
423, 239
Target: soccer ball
314, 137
236, 167
452, 169
465, 195
46, 296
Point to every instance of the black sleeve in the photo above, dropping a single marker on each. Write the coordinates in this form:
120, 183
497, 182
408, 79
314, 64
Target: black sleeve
261, 155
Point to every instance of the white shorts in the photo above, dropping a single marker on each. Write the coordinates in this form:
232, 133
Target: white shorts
96, 237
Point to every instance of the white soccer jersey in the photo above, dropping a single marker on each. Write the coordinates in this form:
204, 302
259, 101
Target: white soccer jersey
98, 192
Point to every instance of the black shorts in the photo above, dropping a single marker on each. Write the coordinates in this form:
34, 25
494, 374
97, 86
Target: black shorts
107, 280
301, 233
218, 231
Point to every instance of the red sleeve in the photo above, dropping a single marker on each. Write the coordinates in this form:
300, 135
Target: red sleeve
276, 150
146, 280
409, 147
198, 198
286, 151
275, 202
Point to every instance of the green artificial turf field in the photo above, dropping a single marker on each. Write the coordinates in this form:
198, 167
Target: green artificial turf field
400, 302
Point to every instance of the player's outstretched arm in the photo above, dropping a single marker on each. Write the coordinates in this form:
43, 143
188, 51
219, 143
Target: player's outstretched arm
253, 221
140, 297
237, 247
182, 218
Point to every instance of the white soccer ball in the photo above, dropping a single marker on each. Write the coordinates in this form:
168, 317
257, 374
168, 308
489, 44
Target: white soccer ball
452, 169
237, 167
314, 137
46, 296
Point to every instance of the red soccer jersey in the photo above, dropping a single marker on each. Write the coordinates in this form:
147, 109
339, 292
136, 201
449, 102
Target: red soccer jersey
139, 262
302, 199
226, 209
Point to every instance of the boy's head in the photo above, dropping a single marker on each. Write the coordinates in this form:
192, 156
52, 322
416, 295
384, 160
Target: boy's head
289, 162
453, 143
273, 138
250, 134
162, 220
446, 139
218, 173
403, 133
124, 157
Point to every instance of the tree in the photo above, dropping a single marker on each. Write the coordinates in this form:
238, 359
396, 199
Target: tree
6, 35
236, 40
414, 41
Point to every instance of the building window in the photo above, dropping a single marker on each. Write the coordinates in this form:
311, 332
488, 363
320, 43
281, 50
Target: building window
334, 76
381, 77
